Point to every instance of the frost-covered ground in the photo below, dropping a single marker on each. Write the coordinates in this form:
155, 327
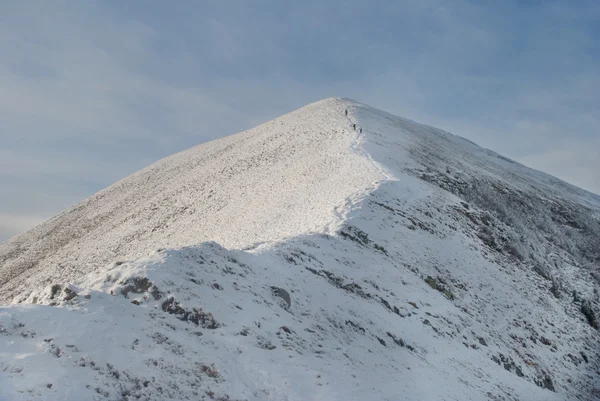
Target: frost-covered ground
303, 260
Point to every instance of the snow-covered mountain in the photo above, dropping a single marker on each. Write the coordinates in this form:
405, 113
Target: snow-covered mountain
335, 253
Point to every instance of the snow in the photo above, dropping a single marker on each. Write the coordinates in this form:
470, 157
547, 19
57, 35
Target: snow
276, 181
176, 277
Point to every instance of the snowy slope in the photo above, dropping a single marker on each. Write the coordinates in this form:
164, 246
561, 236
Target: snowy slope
272, 182
303, 260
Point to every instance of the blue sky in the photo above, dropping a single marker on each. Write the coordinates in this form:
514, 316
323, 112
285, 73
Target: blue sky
93, 91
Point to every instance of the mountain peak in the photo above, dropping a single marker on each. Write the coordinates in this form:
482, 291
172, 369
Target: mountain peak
337, 252
275, 181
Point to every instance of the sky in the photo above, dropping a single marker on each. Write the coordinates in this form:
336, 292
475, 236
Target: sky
94, 91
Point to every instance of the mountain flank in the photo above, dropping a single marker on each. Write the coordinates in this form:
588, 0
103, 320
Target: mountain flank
335, 253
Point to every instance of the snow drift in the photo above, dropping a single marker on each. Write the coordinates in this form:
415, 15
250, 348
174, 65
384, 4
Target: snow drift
307, 260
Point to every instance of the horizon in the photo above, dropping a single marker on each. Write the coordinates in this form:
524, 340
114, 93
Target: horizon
95, 92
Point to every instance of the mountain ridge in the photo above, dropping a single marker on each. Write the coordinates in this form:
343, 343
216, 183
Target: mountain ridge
403, 262
192, 160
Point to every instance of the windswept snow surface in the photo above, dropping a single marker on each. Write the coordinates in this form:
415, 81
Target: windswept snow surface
303, 260
291, 176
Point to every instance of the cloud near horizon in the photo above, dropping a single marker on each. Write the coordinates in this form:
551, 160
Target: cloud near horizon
93, 92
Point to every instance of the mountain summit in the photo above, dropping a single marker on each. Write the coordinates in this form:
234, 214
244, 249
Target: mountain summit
335, 253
